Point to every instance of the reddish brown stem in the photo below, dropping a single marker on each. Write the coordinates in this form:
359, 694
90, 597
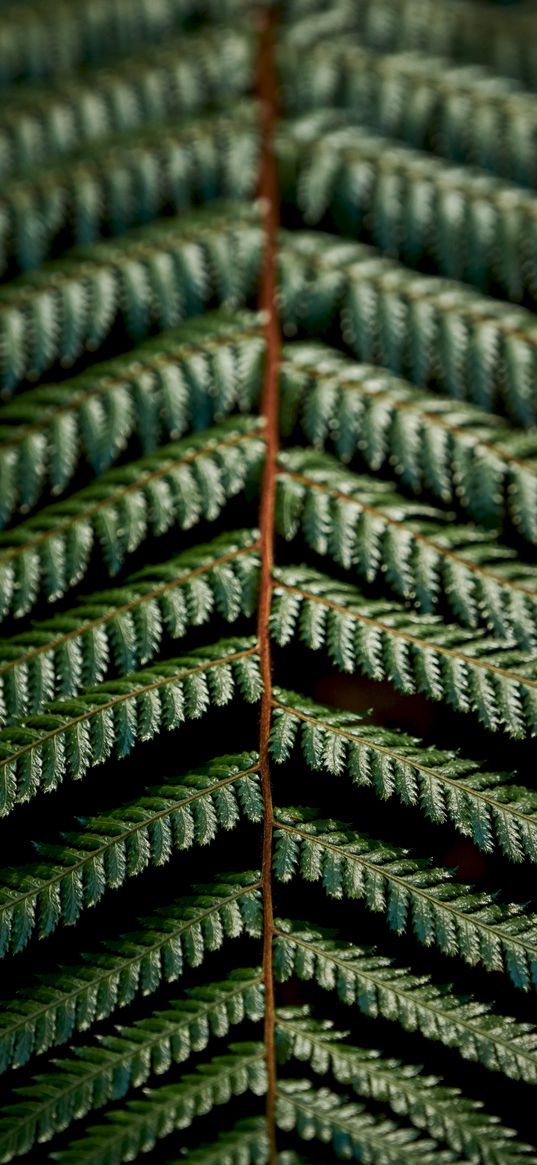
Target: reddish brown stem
268, 189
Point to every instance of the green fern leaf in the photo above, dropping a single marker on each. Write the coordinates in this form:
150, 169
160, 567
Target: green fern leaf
172, 79
72, 736
171, 169
244, 1144
116, 281
416, 653
472, 226
366, 527
451, 449
462, 113
144, 473
482, 805
474, 347
193, 479
98, 1073
123, 842
381, 987
443, 1112
353, 1133
174, 384
141, 1123
123, 629
46, 1012
462, 31
38, 47
411, 893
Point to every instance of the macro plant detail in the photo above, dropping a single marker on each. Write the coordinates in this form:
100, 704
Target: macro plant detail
268, 588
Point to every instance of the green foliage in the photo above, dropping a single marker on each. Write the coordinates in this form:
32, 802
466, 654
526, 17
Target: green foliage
464, 113
154, 276
171, 474
129, 181
473, 226
124, 628
244, 1144
122, 843
71, 736
463, 30
450, 449
472, 346
368, 528
105, 1070
443, 1112
180, 77
40, 44
179, 485
186, 379
415, 652
411, 893
379, 986
69, 999
137, 1126
349, 1129
485, 806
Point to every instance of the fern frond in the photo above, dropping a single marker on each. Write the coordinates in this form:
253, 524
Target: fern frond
462, 30
464, 113
186, 379
483, 805
452, 449
369, 529
178, 485
185, 75
110, 1067
412, 893
415, 652
474, 227
158, 274
71, 736
292, 1158
46, 1013
129, 181
351, 1131
124, 628
139, 1124
39, 44
442, 1111
472, 346
245, 1144
121, 843
379, 986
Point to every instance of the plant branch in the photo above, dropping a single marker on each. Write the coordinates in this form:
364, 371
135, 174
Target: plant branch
268, 190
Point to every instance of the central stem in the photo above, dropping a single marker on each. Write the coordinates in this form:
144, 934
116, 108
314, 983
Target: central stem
268, 189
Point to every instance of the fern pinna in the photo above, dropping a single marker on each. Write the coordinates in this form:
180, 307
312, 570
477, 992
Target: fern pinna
268, 510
